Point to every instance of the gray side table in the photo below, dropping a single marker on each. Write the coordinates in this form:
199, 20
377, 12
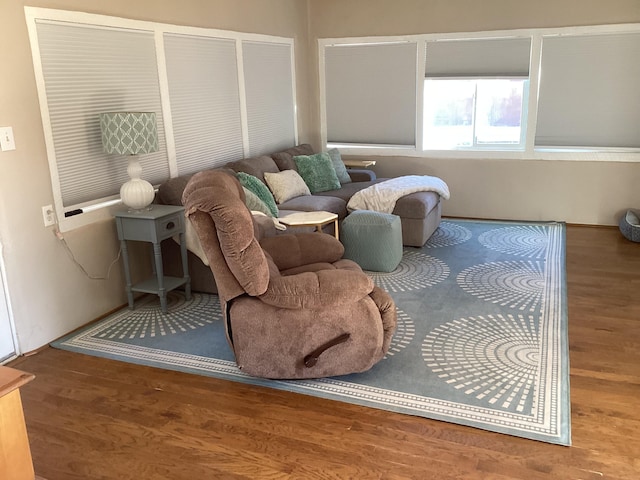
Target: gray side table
155, 225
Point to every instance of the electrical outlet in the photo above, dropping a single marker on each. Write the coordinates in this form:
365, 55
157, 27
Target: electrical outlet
49, 215
6, 139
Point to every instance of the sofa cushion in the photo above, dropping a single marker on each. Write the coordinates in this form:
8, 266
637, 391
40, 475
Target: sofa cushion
260, 189
339, 166
313, 203
347, 190
317, 171
286, 184
255, 166
284, 159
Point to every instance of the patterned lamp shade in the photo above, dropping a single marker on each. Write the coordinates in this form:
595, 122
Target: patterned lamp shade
129, 133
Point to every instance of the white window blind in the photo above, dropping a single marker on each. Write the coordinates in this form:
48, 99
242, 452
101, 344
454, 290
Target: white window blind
589, 93
371, 93
503, 57
269, 91
88, 70
202, 75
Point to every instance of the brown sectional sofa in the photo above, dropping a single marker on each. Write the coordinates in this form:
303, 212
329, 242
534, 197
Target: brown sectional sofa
419, 212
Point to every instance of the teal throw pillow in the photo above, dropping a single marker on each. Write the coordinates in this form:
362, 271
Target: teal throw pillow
254, 203
260, 189
318, 172
338, 165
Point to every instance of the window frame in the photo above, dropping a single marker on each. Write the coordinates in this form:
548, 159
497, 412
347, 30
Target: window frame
94, 211
530, 151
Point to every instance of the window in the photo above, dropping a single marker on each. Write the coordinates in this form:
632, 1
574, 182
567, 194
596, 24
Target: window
565, 93
473, 113
589, 93
218, 96
474, 93
270, 96
118, 72
202, 75
371, 94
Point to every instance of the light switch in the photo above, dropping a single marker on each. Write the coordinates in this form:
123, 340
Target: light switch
6, 139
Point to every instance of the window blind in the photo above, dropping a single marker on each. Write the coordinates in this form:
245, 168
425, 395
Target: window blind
88, 70
371, 93
202, 74
589, 93
269, 93
503, 57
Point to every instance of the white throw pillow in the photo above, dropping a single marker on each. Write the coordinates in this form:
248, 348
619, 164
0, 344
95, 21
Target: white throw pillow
286, 185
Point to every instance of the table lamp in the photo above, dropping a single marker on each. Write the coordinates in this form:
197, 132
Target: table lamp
131, 133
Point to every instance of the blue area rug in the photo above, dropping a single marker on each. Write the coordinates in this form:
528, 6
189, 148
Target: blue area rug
481, 338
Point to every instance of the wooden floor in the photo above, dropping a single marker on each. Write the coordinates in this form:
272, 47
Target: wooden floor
90, 418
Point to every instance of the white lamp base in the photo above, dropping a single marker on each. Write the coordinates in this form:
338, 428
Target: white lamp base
137, 194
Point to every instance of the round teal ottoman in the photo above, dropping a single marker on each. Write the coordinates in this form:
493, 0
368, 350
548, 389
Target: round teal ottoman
373, 240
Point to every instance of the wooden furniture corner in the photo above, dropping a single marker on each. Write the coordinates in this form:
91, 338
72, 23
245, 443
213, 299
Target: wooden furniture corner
15, 454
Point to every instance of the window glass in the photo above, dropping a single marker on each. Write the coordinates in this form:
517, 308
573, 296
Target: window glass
468, 113
499, 111
448, 113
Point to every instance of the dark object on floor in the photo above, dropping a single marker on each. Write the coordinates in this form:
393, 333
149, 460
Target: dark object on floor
630, 226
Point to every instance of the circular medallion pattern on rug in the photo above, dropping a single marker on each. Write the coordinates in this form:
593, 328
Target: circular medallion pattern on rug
448, 234
494, 358
518, 284
147, 320
404, 334
529, 241
416, 271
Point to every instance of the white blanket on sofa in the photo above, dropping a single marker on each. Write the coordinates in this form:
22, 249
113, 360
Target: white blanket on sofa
382, 197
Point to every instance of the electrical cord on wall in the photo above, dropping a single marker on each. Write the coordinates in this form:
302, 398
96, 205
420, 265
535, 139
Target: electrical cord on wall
60, 237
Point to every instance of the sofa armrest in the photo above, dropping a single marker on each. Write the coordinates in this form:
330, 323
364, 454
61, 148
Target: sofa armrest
361, 175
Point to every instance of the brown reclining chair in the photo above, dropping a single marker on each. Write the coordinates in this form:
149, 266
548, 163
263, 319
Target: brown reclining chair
293, 307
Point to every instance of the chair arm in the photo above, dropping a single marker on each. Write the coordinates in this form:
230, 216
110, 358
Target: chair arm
387, 309
324, 288
263, 227
361, 175
295, 250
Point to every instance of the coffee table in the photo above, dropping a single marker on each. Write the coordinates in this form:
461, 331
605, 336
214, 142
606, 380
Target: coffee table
311, 219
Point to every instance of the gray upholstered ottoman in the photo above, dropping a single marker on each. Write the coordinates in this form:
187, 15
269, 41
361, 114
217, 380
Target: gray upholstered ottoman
373, 240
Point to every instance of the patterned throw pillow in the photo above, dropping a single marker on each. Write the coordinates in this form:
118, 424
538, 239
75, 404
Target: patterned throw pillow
254, 203
286, 185
338, 165
318, 172
260, 189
